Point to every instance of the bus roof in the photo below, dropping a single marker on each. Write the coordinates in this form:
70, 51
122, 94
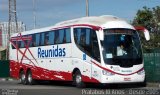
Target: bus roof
92, 20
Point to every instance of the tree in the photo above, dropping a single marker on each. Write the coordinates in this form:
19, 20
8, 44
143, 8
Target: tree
149, 18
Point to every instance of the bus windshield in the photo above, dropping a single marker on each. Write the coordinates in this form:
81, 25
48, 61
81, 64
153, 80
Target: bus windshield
121, 47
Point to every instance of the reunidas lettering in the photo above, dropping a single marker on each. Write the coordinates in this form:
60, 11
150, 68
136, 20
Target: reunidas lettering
54, 52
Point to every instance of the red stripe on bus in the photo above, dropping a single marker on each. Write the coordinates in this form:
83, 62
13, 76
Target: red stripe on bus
44, 74
87, 25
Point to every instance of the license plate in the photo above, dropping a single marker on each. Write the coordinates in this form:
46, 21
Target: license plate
127, 79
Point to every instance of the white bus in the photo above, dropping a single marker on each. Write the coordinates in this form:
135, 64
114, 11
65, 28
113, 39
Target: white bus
103, 49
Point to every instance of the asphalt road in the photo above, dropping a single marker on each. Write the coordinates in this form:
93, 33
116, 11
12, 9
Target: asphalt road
65, 88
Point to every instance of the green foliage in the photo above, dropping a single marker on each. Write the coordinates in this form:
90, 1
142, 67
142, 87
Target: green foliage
149, 18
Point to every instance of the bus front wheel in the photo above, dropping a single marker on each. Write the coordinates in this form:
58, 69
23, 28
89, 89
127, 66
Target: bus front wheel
78, 80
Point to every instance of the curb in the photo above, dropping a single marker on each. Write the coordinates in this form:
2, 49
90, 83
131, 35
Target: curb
2, 79
153, 85
6, 79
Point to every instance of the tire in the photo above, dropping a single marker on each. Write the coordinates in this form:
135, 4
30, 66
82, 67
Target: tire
78, 80
29, 78
22, 78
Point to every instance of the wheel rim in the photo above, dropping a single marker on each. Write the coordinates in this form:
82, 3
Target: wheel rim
78, 79
22, 77
29, 78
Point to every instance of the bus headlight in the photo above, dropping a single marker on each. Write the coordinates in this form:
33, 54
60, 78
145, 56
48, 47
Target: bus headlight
104, 72
141, 72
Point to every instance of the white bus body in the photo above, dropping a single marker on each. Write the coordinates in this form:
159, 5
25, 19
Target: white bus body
103, 49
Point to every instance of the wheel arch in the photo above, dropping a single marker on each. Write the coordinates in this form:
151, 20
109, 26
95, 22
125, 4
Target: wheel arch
20, 70
28, 69
76, 72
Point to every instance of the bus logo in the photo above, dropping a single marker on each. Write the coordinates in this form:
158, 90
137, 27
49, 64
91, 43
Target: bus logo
53, 52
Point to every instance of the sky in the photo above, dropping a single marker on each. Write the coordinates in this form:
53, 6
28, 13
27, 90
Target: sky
50, 12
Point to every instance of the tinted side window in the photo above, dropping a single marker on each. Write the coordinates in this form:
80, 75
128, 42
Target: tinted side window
68, 35
37, 39
30, 45
42, 35
88, 46
19, 44
56, 39
46, 41
22, 44
77, 33
14, 42
46, 38
27, 42
33, 43
88, 35
82, 37
61, 36
51, 37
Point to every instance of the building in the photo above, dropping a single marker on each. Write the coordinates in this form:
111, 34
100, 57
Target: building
4, 31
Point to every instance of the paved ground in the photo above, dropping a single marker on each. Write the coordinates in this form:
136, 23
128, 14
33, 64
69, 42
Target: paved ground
63, 88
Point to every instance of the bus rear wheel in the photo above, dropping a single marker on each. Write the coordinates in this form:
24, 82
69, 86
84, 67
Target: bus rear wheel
22, 77
78, 80
30, 80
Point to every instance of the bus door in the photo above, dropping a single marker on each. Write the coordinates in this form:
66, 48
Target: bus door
86, 51
82, 51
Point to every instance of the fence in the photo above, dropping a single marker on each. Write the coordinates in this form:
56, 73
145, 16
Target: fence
4, 69
152, 65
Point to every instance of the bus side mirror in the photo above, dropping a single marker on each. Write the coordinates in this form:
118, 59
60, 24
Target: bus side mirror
144, 30
101, 34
